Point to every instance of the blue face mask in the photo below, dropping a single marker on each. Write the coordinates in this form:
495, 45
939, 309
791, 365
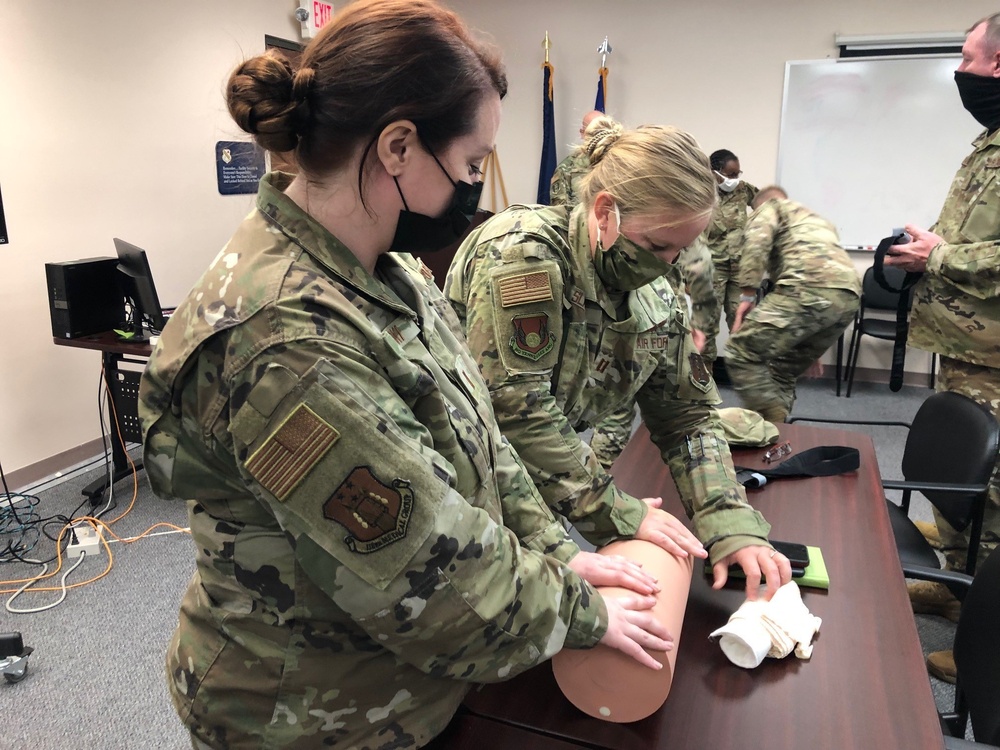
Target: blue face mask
417, 232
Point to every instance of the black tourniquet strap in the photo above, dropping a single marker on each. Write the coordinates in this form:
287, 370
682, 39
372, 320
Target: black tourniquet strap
902, 308
822, 461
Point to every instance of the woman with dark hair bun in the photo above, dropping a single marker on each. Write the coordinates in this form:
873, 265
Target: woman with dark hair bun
367, 544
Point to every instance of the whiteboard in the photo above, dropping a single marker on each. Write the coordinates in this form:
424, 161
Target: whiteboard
872, 144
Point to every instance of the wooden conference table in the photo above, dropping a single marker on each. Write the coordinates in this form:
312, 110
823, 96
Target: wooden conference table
123, 398
865, 686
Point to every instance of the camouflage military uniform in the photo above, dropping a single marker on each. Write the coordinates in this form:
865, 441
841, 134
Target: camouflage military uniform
564, 189
559, 352
723, 237
367, 543
612, 434
746, 427
956, 309
816, 293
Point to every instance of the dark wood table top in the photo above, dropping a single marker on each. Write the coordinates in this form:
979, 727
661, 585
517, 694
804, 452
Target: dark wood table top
866, 684
107, 341
468, 731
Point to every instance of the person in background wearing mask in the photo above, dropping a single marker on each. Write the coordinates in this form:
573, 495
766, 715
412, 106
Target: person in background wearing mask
367, 544
816, 294
723, 237
564, 188
572, 314
956, 304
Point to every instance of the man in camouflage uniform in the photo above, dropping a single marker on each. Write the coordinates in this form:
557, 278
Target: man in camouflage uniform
564, 190
353, 503
815, 296
559, 355
612, 434
956, 304
723, 238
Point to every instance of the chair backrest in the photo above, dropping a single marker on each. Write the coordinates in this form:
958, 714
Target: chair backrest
877, 298
977, 657
955, 440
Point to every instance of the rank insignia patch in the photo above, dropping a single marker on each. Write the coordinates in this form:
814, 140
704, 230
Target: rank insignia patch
532, 338
699, 372
524, 288
291, 451
375, 514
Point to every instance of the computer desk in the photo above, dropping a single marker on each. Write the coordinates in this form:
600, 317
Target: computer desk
866, 684
123, 398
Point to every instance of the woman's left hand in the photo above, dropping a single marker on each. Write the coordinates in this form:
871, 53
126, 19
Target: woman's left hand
613, 570
757, 561
666, 530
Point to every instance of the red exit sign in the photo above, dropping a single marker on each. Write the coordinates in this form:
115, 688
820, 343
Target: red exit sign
321, 13
313, 15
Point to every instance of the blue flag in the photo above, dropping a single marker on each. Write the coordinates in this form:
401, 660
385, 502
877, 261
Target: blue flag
602, 78
548, 164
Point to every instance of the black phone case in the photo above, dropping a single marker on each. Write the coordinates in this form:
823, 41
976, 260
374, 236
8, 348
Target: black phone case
797, 554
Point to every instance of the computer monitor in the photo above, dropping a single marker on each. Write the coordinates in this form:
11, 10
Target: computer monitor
142, 307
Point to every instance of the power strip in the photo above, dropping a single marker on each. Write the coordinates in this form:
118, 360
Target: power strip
88, 540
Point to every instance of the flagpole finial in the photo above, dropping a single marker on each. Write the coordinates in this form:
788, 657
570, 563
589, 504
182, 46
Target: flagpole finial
546, 45
605, 49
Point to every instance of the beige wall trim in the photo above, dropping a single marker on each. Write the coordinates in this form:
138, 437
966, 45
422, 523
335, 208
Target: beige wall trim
48, 467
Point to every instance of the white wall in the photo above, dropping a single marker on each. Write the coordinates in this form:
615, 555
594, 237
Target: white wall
111, 110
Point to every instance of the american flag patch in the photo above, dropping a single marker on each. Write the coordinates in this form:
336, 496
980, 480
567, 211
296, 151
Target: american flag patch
524, 288
291, 451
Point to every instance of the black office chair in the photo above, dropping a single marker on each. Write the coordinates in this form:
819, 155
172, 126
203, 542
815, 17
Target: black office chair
977, 658
874, 297
949, 456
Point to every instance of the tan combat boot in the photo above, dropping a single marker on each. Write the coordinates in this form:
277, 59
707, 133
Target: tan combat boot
930, 533
929, 598
941, 664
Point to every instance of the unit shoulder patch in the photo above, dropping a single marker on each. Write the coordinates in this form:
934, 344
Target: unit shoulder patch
375, 514
700, 375
291, 451
532, 338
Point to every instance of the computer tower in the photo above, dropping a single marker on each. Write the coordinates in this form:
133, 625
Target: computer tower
84, 296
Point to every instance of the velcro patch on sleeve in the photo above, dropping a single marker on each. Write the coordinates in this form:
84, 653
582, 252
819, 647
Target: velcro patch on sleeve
699, 371
291, 451
523, 288
374, 513
532, 338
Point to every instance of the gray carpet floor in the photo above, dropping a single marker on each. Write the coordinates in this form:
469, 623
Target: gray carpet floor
96, 678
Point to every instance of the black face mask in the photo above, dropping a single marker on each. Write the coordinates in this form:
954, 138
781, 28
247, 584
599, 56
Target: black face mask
981, 97
419, 232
